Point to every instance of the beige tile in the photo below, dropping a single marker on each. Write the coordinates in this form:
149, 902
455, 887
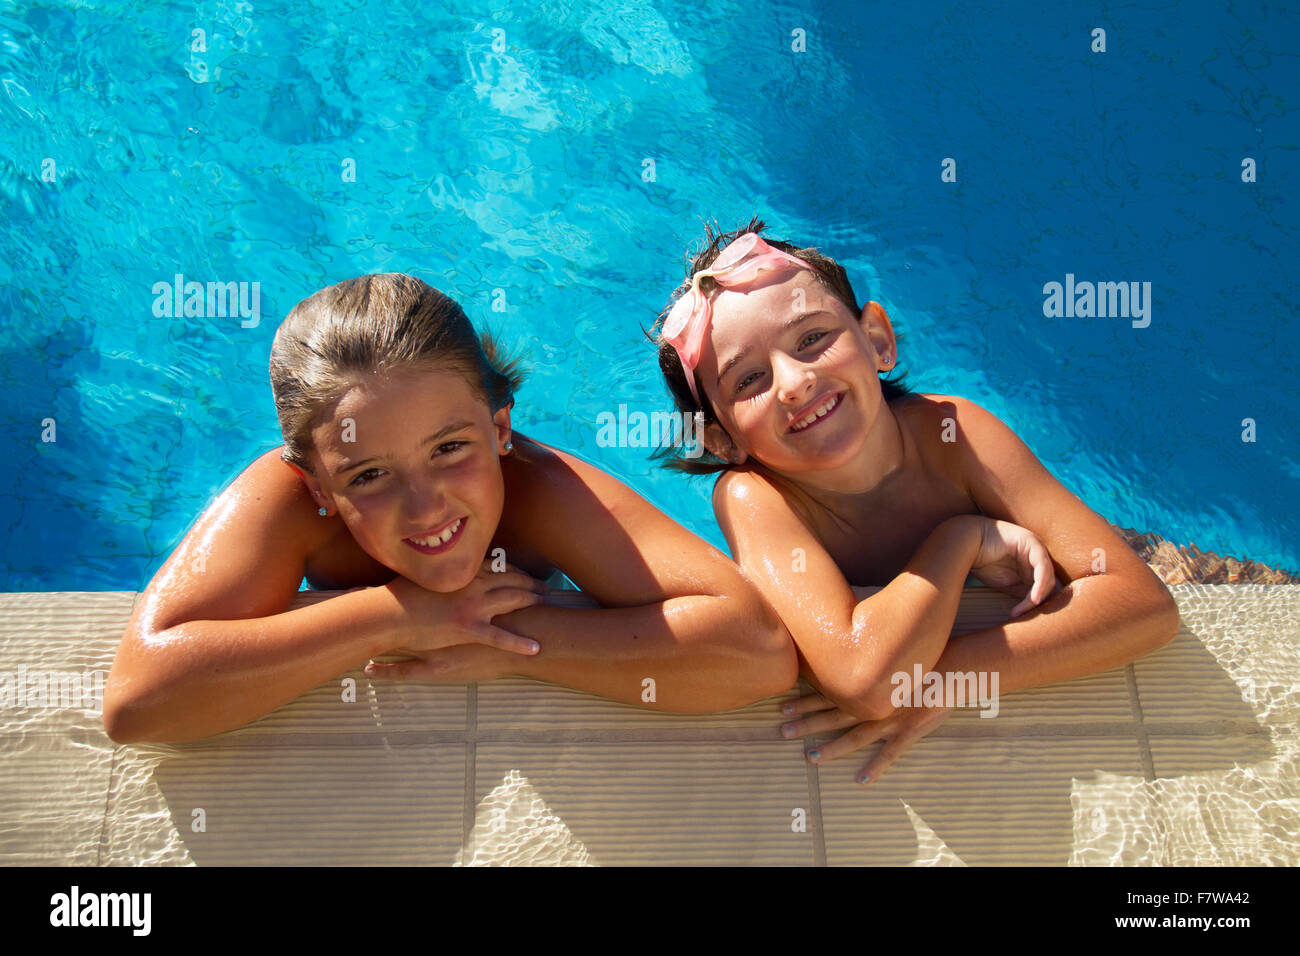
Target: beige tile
526, 705
378, 707
1225, 800
567, 777
1237, 658
1096, 700
52, 798
982, 802
59, 646
356, 805
649, 803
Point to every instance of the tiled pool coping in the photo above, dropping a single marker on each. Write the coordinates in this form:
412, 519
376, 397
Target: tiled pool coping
1187, 756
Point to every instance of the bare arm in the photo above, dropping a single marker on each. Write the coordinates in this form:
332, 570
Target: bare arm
1100, 619
673, 608
851, 646
210, 645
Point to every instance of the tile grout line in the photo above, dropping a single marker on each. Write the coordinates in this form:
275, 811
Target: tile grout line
1139, 726
815, 811
471, 760
108, 799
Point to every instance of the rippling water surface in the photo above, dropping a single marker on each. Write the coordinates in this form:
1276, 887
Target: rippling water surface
506, 147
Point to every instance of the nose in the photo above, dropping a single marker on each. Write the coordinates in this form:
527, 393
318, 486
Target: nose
426, 501
793, 379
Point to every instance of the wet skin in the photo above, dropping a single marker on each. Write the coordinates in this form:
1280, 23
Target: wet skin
211, 646
874, 493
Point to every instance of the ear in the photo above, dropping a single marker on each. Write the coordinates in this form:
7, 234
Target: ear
501, 421
880, 332
313, 486
719, 443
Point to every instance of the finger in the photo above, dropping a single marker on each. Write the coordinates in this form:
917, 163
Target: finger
1044, 577
899, 744
511, 574
504, 640
505, 600
1048, 585
541, 586
1029, 575
819, 723
402, 670
894, 748
863, 735
517, 579
808, 703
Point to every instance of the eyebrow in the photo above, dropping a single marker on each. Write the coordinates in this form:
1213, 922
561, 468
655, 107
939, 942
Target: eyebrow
440, 434
785, 326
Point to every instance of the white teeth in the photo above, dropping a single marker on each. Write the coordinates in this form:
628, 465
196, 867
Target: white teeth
434, 540
815, 414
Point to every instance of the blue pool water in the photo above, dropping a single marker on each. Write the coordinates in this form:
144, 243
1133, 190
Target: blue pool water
520, 168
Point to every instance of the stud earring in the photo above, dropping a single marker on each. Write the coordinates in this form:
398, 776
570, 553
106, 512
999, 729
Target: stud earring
510, 446
322, 511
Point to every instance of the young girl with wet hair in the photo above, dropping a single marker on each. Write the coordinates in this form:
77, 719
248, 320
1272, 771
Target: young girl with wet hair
402, 480
832, 473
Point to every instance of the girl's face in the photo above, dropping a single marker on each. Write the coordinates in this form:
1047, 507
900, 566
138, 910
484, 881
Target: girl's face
411, 460
792, 375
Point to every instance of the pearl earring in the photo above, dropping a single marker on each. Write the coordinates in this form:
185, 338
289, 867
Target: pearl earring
510, 446
322, 511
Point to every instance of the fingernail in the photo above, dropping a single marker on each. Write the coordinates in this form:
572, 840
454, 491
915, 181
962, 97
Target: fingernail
788, 709
787, 730
533, 647
814, 755
865, 778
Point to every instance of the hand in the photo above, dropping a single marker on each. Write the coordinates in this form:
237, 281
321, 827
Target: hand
462, 664
899, 731
1013, 560
432, 621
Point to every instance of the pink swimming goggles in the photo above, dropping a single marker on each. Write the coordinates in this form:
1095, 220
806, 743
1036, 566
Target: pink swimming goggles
688, 322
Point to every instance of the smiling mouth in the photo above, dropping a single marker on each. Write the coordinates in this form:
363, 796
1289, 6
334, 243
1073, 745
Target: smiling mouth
437, 542
817, 414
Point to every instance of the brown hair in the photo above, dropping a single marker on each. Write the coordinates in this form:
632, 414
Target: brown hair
374, 323
829, 273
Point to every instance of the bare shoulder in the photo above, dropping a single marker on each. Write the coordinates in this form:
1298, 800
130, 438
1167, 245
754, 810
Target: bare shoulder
744, 487
747, 495
930, 412
538, 475
246, 554
610, 541
965, 414
934, 426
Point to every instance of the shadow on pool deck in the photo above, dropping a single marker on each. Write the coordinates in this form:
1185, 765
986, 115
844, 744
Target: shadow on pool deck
1187, 756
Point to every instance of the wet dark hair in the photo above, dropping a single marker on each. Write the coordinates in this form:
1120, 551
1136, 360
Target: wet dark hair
376, 323
829, 273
